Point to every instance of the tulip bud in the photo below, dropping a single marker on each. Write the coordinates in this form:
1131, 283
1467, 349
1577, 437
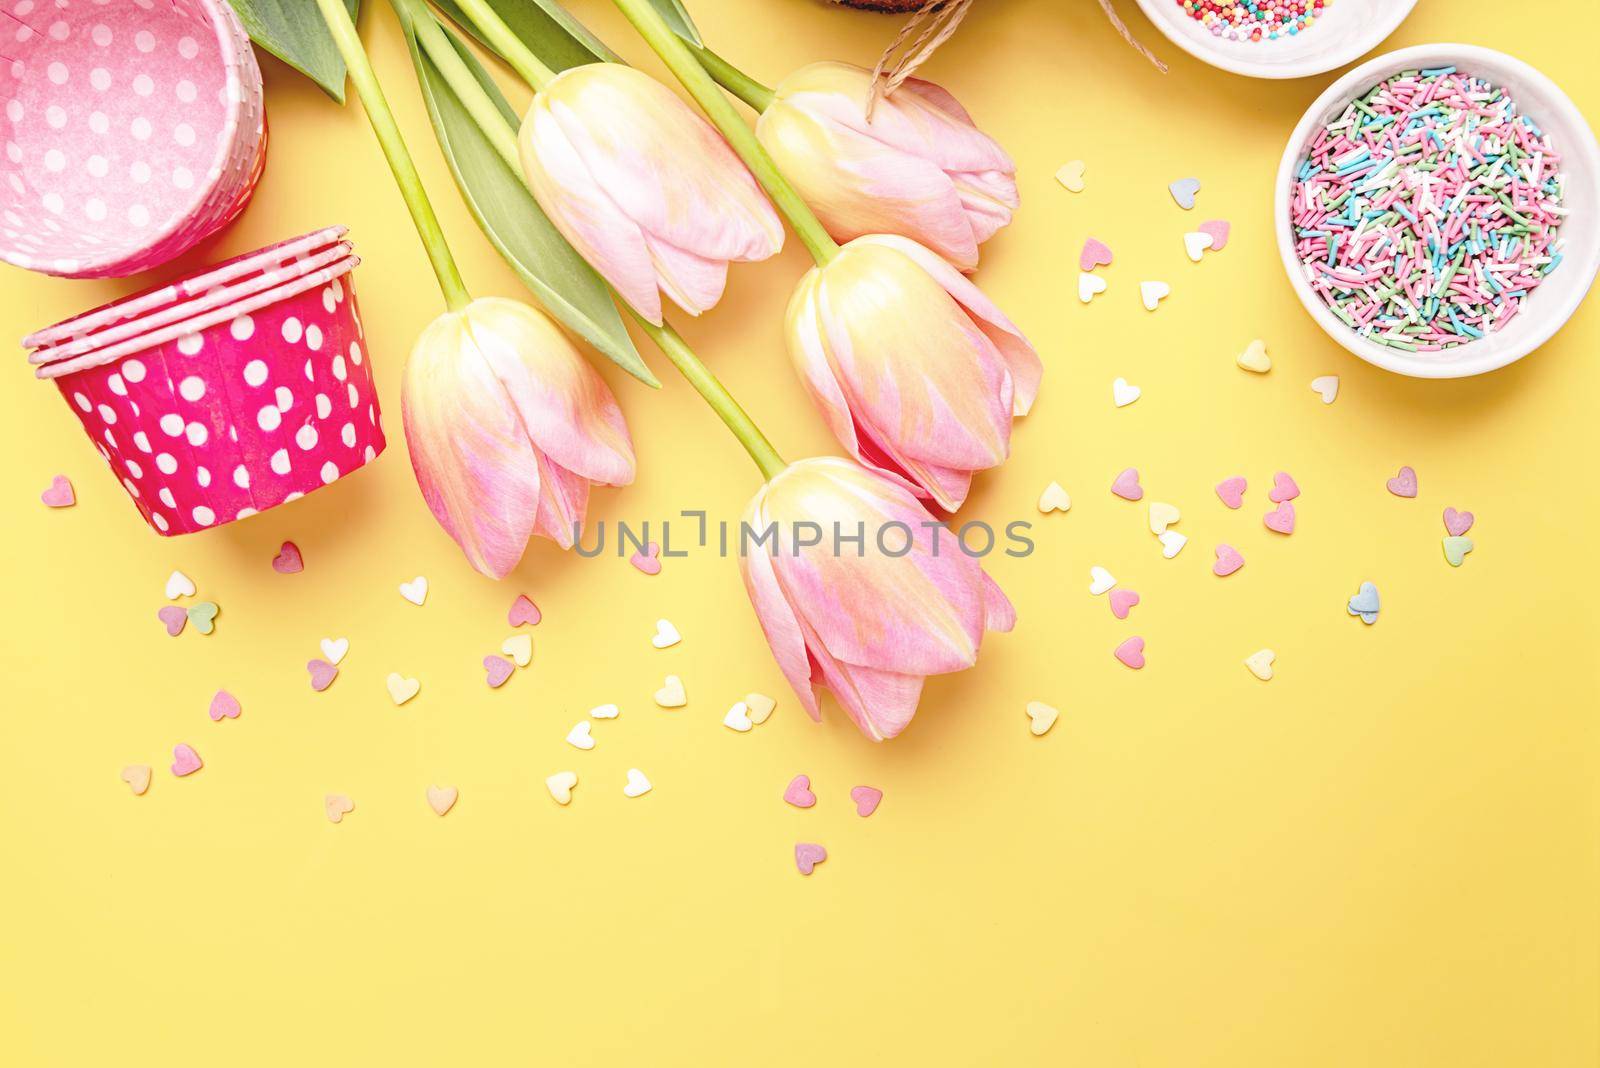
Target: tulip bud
917, 373
644, 188
860, 616
918, 167
508, 426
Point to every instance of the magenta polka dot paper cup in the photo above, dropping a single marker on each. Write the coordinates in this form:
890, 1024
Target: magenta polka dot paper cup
235, 411
130, 130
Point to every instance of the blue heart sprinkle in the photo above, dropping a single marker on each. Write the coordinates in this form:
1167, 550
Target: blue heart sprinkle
1365, 603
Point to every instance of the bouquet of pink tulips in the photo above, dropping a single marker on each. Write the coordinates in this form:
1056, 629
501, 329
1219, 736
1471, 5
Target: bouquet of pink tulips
918, 374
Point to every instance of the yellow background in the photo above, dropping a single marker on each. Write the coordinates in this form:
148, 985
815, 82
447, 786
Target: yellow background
1385, 856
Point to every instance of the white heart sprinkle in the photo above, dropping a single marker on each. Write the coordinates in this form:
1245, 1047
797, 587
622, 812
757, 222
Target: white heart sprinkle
179, 585
560, 785
1124, 394
415, 591
1089, 285
1172, 543
672, 693
1153, 293
1327, 387
579, 738
604, 712
666, 635
1054, 499
334, 649
1100, 580
637, 783
1195, 242
738, 717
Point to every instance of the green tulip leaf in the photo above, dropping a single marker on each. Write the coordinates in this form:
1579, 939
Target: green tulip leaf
552, 33
293, 31
510, 217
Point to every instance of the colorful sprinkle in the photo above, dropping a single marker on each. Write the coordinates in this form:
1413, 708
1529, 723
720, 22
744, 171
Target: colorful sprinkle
401, 689
1183, 191
59, 493
1070, 175
497, 670
203, 616
1195, 243
1124, 393
1090, 286
807, 855
1218, 229
1284, 488
1041, 717
760, 706
637, 785
1457, 523
179, 585
1281, 519
175, 617
1230, 491
867, 798
1365, 603
1456, 549
1326, 387
1254, 357
798, 793
322, 674
1054, 499
1100, 580
1153, 293
288, 561
1122, 602
415, 591
1404, 483
523, 612
185, 761
442, 798
1260, 663
672, 694
605, 712
1126, 485
1172, 543
1162, 516
519, 647
1228, 561
649, 561
137, 776
223, 706
1131, 652
1254, 20
560, 786
1095, 253
666, 635
337, 806
334, 649
738, 718
579, 737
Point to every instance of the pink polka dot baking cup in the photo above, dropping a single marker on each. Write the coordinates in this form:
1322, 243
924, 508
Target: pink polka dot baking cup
131, 130
236, 411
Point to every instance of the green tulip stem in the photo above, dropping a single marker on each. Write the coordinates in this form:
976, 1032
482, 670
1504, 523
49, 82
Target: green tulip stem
503, 39
393, 144
734, 80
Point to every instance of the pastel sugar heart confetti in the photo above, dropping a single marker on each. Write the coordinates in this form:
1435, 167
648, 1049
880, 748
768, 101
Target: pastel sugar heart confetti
1195, 243
179, 585
137, 776
760, 707
1123, 393
1230, 491
1162, 516
666, 635
605, 712
1218, 230
1126, 485
1260, 663
519, 647
415, 591
1152, 293
798, 792
1090, 286
672, 693
579, 737
1404, 483
1054, 499
1228, 561
1096, 253
288, 561
336, 807
647, 562
1041, 717
1281, 519
175, 618
1284, 488
1070, 175
560, 786
334, 650
1456, 549
322, 674
1457, 523
1172, 543
497, 670
1326, 387
185, 761
1254, 357
59, 493
401, 689
442, 798
637, 785
807, 855
1100, 580
1122, 602
867, 799
223, 706
1131, 652
1365, 603
1183, 191
523, 612
203, 616
738, 718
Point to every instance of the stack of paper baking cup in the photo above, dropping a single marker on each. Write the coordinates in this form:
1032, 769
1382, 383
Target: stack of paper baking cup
130, 130
238, 389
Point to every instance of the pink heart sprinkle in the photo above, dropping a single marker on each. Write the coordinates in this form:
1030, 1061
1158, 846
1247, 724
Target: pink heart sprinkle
647, 561
1403, 484
499, 669
1280, 519
1127, 485
1131, 652
1122, 601
224, 705
60, 494
807, 855
1095, 253
1218, 229
174, 616
288, 561
1457, 523
322, 674
1283, 488
798, 792
523, 611
866, 799
1230, 491
1228, 561
185, 761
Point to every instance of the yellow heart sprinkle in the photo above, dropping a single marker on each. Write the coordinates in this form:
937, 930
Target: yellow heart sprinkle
760, 707
401, 689
1071, 175
1260, 663
1054, 499
1162, 516
519, 647
672, 694
1043, 717
1254, 358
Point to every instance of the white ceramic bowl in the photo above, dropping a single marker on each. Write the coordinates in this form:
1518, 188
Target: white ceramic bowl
1345, 30
1558, 296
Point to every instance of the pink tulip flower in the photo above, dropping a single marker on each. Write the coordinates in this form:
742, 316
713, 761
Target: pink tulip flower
917, 373
863, 619
644, 188
918, 168
508, 427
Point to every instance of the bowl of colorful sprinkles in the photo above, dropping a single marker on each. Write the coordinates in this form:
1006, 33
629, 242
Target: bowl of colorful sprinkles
1436, 210
1277, 38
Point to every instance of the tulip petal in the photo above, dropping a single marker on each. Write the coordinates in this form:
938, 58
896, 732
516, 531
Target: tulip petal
563, 503
692, 282
777, 619
879, 703
998, 612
